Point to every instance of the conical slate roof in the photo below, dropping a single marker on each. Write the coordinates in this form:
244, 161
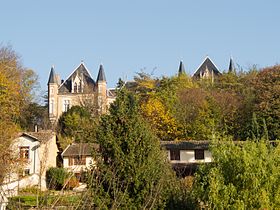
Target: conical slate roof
101, 74
181, 68
231, 65
52, 76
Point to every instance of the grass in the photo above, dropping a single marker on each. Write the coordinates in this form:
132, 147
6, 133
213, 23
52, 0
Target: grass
44, 200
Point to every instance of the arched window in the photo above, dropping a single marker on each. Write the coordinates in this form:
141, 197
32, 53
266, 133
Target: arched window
75, 87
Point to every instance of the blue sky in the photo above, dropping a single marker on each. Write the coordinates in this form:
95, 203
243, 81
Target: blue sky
130, 36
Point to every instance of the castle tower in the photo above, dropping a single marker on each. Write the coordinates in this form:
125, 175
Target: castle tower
52, 95
101, 91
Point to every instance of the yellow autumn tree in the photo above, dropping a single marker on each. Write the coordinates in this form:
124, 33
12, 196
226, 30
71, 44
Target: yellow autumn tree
160, 119
15, 89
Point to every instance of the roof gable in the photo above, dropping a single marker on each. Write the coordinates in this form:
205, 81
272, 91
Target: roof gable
41, 136
207, 65
82, 72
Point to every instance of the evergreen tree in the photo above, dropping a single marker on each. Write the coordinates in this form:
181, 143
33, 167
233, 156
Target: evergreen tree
131, 169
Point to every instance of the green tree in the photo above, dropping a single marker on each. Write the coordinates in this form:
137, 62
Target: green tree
76, 125
131, 170
243, 176
267, 99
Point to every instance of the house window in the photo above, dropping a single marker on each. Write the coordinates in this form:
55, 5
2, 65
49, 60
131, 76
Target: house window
66, 105
174, 154
24, 153
24, 172
77, 160
199, 154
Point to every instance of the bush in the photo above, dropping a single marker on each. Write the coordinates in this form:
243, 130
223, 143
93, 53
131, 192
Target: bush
56, 178
71, 183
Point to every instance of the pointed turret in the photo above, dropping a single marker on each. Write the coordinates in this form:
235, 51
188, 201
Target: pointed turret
102, 90
231, 66
52, 95
181, 69
52, 76
101, 74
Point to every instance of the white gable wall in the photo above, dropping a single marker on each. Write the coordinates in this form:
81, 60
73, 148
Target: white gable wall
33, 163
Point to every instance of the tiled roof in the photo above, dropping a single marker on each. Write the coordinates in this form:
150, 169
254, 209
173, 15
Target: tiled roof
185, 145
79, 149
41, 136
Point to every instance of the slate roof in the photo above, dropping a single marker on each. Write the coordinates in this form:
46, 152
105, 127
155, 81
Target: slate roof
79, 149
41, 136
181, 68
101, 74
185, 145
231, 65
112, 93
207, 64
66, 86
52, 76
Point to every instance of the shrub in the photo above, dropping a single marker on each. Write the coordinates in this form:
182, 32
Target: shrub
71, 183
56, 177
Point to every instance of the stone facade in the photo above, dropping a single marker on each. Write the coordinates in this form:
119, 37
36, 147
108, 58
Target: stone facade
78, 89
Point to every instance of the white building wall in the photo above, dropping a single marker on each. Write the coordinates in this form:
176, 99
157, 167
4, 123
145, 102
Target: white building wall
188, 156
77, 168
208, 156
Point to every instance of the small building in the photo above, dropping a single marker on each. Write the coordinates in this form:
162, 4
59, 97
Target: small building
33, 154
77, 157
185, 156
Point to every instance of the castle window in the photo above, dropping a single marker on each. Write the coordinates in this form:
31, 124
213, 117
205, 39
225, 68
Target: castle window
80, 87
75, 88
66, 105
51, 106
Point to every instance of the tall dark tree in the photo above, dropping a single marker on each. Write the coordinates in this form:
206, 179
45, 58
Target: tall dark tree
131, 170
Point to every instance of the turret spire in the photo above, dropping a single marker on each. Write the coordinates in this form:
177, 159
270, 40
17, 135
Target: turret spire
231, 65
181, 69
52, 76
101, 74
